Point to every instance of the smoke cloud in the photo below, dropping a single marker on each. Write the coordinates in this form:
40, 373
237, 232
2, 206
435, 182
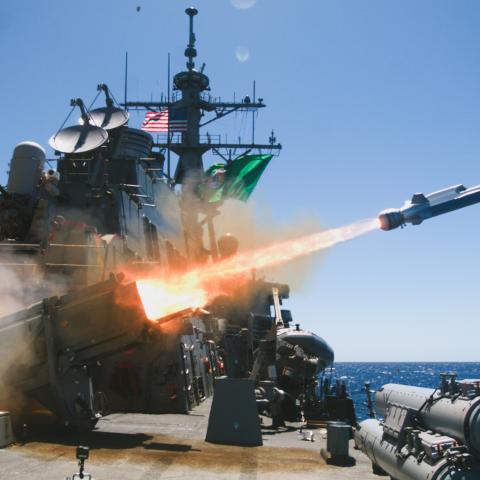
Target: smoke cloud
21, 286
196, 286
255, 226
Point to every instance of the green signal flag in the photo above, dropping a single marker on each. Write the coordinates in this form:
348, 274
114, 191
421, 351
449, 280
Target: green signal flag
236, 179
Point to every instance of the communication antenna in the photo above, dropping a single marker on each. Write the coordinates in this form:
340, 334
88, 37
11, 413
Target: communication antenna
126, 78
79, 138
190, 51
169, 137
109, 117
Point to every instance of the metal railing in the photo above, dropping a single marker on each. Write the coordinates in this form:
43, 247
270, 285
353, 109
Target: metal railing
176, 138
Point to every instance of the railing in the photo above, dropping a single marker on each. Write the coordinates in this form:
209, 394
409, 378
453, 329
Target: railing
176, 96
20, 246
34, 247
176, 139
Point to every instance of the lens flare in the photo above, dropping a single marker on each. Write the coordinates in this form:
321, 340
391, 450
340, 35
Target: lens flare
243, 4
194, 289
242, 53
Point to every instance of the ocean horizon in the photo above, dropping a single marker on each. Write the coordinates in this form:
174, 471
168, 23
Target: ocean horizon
421, 374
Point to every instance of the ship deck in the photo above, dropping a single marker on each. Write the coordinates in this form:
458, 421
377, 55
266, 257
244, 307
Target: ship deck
143, 447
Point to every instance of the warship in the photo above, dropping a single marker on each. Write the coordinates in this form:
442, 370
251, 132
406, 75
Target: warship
103, 367
108, 214
88, 236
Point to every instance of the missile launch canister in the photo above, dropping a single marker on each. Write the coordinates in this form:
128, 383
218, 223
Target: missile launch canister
422, 207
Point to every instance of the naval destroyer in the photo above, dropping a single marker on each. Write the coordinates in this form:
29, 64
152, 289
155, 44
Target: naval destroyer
108, 218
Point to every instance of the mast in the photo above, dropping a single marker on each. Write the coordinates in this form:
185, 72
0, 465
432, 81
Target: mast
190, 145
126, 77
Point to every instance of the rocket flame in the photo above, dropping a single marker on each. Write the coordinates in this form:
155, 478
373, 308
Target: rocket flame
161, 298
195, 288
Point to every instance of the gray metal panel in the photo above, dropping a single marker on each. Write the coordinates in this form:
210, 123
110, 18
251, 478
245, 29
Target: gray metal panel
234, 417
133, 143
98, 320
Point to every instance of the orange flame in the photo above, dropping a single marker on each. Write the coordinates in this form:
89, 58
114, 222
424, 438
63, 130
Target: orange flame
161, 298
195, 288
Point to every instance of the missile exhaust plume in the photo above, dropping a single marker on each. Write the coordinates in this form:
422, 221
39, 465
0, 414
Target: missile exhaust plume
193, 289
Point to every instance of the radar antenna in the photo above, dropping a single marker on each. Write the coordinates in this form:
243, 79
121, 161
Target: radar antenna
190, 51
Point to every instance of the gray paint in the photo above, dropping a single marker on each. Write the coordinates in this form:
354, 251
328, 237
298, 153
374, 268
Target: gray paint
233, 417
26, 167
456, 416
383, 453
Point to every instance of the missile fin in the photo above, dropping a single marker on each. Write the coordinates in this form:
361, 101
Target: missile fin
419, 198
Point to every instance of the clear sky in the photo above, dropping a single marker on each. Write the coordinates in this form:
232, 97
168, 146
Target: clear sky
373, 101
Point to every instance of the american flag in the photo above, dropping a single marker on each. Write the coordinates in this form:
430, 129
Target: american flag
159, 121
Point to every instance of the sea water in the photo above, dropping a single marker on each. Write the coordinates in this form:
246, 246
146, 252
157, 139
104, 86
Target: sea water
378, 374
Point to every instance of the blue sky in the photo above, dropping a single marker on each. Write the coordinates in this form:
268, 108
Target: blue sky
372, 100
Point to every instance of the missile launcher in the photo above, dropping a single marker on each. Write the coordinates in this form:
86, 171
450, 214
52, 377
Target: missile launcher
49, 348
426, 433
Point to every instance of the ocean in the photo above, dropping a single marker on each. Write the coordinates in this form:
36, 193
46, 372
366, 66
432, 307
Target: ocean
408, 373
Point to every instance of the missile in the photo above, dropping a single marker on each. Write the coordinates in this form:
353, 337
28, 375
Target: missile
421, 206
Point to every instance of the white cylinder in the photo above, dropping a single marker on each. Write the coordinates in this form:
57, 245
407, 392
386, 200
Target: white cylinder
26, 168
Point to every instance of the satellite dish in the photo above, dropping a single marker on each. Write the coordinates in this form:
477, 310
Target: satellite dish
78, 139
108, 117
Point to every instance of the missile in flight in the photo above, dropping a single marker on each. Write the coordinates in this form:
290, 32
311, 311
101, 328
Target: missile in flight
421, 207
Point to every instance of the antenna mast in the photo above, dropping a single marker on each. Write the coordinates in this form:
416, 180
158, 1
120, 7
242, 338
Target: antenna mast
126, 79
169, 173
190, 51
190, 146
